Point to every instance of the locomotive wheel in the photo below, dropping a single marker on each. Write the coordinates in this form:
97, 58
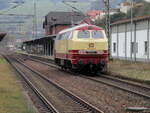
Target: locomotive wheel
105, 69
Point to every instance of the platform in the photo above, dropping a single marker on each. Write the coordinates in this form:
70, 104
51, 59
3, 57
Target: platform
40, 56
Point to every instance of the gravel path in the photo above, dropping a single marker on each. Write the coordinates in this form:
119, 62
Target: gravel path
108, 99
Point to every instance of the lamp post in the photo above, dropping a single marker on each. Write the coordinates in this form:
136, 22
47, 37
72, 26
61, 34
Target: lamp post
131, 28
35, 20
107, 7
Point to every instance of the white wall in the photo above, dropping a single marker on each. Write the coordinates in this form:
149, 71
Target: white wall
141, 37
124, 36
114, 40
128, 45
121, 44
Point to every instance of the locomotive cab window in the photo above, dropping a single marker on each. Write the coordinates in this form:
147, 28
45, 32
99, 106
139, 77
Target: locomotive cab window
97, 34
63, 37
68, 35
58, 37
83, 34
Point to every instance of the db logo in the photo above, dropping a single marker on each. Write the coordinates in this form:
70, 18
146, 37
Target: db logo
91, 45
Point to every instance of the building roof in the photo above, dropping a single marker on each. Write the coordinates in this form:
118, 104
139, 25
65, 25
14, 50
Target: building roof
63, 18
2, 35
94, 12
129, 20
128, 3
49, 37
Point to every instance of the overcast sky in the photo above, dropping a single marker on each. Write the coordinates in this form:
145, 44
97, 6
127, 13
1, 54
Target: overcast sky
7, 3
43, 7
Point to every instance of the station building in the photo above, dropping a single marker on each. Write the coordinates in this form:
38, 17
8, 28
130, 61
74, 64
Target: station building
54, 22
57, 21
131, 40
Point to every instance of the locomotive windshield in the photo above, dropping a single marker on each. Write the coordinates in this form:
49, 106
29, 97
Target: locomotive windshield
83, 34
97, 34
92, 33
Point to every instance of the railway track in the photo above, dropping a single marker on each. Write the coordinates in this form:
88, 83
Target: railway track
44, 104
119, 83
54, 95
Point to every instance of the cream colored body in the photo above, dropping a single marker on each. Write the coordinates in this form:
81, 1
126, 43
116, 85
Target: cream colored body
75, 43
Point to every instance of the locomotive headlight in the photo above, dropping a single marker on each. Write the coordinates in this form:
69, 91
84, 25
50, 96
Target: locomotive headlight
99, 52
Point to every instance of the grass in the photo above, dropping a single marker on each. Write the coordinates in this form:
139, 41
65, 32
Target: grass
12, 98
136, 70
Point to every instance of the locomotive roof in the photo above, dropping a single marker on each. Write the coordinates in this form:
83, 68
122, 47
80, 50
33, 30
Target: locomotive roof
80, 27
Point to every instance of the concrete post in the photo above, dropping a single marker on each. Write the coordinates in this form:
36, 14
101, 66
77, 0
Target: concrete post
50, 48
126, 41
117, 42
44, 48
135, 42
47, 49
148, 41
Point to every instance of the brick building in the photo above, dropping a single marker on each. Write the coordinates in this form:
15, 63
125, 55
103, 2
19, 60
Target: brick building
57, 21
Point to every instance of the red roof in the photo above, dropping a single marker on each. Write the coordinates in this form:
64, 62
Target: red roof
94, 12
86, 21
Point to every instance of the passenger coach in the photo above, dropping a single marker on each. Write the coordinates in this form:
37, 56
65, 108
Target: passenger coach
84, 47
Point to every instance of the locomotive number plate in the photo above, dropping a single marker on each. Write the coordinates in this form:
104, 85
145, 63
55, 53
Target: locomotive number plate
91, 45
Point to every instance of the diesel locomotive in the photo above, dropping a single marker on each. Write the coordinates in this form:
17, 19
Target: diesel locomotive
83, 47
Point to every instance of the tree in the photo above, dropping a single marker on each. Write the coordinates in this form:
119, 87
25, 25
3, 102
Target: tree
140, 10
101, 22
117, 16
113, 18
137, 11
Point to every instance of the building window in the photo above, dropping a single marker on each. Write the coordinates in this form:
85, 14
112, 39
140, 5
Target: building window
114, 47
134, 47
146, 47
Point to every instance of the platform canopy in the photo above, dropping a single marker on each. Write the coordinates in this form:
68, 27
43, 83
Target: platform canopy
2, 35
